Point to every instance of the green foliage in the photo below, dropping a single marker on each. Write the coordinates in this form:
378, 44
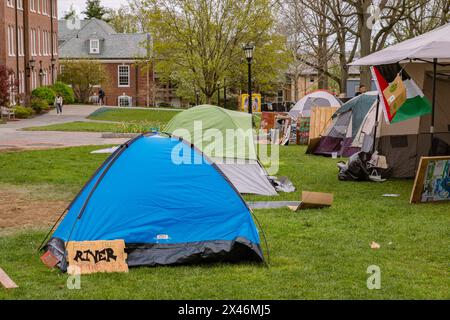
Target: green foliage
39, 105
83, 75
94, 9
44, 93
22, 112
65, 91
201, 44
130, 115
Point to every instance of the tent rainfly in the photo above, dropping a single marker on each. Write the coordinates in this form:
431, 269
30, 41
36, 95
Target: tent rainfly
318, 98
226, 137
424, 64
167, 213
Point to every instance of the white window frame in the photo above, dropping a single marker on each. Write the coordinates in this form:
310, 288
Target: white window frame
11, 41
121, 74
20, 4
91, 47
32, 6
10, 3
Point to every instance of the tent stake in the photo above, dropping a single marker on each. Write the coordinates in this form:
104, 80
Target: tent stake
433, 107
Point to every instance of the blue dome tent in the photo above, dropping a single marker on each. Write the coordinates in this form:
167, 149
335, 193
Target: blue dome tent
167, 211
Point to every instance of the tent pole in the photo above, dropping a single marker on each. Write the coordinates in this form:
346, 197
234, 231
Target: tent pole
374, 147
433, 105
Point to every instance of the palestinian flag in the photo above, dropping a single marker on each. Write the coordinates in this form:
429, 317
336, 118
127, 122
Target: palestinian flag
400, 96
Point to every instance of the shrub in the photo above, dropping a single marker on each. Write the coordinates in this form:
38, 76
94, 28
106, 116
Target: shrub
39, 105
22, 112
65, 91
164, 105
44, 93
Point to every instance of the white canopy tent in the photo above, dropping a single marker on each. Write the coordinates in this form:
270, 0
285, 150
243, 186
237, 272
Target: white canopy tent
428, 47
426, 59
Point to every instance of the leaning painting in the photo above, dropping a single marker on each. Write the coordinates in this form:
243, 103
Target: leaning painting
432, 180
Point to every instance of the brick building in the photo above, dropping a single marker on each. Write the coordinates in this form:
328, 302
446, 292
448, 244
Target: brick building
28, 38
121, 54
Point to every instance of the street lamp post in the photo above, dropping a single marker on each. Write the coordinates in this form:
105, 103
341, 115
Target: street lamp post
248, 49
218, 94
197, 97
224, 93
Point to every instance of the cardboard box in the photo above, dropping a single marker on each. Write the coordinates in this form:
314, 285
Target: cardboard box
314, 200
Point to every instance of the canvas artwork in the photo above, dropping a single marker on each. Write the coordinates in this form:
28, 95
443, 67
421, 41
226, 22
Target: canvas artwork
437, 182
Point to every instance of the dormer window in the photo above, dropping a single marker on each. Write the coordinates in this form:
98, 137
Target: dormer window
94, 46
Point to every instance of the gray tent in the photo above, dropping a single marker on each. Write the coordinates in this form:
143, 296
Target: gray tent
346, 122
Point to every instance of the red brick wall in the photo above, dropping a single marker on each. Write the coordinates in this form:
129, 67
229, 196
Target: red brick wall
137, 89
35, 20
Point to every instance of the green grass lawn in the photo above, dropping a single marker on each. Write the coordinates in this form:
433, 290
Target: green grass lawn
314, 254
130, 115
79, 126
127, 121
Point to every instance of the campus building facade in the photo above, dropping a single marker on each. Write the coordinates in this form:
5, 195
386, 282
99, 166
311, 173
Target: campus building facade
28, 38
126, 58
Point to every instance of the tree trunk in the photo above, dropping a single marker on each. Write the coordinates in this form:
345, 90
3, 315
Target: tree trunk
366, 34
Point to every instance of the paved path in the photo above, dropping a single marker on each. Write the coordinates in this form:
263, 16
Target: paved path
12, 137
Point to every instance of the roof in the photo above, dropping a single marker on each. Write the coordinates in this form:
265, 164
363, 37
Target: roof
428, 46
74, 43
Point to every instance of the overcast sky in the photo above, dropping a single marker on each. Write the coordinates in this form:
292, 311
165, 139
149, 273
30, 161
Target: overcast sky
64, 5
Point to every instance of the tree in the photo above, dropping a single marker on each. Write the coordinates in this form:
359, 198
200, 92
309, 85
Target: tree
352, 25
123, 20
94, 9
130, 18
429, 15
199, 43
83, 76
71, 13
5, 86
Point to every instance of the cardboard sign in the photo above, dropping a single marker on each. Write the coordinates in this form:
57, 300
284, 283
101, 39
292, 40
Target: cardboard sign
256, 102
6, 281
432, 183
395, 94
314, 200
96, 256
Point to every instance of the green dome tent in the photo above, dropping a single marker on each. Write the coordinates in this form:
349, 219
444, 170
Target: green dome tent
227, 138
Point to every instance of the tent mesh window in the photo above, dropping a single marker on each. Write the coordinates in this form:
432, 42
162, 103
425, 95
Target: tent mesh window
125, 101
399, 141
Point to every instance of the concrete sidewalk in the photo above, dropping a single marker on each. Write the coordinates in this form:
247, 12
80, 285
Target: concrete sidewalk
12, 136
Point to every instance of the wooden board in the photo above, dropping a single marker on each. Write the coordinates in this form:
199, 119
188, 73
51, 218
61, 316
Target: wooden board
431, 182
320, 120
96, 256
6, 281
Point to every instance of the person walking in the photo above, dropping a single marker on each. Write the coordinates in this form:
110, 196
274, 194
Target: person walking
59, 104
101, 95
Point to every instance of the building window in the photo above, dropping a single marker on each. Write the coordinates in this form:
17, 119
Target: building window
94, 46
125, 101
10, 3
124, 76
33, 42
54, 8
21, 42
11, 49
32, 6
20, 4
